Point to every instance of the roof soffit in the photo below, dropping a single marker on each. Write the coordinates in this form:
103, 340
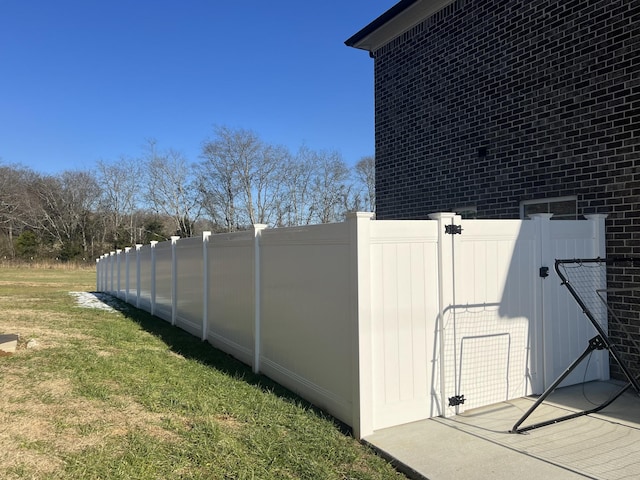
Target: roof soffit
371, 38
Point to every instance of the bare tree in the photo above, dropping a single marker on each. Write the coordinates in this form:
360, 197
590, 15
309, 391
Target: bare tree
365, 173
13, 187
171, 188
81, 194
11, 184
329, 187
294, 207
120, 184
218, 184
267, 178
240, 178
59, 208
299, 189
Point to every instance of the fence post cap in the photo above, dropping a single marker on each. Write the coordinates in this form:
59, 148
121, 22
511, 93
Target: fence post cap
366, 215
540, 216
441, 215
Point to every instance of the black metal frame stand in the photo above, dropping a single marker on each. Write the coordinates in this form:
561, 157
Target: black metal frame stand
599, 342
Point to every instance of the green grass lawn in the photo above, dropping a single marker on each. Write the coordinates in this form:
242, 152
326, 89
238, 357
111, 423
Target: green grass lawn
123, 395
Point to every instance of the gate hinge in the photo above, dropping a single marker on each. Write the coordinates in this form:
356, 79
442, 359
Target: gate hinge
456, 400
453, 229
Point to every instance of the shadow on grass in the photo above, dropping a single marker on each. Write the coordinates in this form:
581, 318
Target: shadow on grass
193, 348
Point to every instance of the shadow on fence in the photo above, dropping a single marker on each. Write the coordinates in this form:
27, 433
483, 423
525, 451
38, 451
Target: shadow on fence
190, 347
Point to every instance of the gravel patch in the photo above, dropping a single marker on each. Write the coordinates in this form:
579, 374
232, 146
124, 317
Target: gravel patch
101, 301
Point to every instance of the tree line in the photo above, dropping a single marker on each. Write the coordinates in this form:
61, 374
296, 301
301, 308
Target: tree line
239, 180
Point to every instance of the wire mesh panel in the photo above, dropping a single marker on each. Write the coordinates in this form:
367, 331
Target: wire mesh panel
602, 288
485, 354
608, 292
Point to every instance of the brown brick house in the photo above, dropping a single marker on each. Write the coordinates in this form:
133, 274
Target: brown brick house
502, 108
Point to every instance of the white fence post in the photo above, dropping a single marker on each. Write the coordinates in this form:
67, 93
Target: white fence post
598, 222
543, 230
98, 273
361, 327
153, 276
446, 298
118, 268
205, 284
103, 273
127, 255
257, 231
138, 247
546, 259
174, 280
112, 267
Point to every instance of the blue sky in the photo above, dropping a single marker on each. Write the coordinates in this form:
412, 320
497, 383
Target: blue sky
89, 80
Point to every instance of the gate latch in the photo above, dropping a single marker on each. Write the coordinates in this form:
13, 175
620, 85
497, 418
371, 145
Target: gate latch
453, 229
456, 400
544, 272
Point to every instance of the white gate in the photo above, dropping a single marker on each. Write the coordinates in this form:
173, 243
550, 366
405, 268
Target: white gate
491, 321
509, 327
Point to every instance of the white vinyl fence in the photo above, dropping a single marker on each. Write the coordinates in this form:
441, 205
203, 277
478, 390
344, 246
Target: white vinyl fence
378, 322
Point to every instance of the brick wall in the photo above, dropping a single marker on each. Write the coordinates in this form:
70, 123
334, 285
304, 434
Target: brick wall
551, 90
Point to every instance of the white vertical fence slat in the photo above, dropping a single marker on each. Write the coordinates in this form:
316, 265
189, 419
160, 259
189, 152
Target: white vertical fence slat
378, 322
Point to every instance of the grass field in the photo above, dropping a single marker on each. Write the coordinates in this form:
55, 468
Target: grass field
123, 395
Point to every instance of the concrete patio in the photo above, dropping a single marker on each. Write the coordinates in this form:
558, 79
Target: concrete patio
477, 445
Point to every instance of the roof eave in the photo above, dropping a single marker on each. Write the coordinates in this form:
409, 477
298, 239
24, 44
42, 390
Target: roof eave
359, 39
394, 22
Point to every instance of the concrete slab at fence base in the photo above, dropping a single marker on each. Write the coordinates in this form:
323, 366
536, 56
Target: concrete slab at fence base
8, 343
476, 445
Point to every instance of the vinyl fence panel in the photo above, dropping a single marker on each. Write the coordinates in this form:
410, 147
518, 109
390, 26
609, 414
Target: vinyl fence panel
306, 341
163, 281
145, 285
189, 285
231, 295
404, 311
377, 322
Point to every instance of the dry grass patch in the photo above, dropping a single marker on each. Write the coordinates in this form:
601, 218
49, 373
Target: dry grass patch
49, 328
45, 421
